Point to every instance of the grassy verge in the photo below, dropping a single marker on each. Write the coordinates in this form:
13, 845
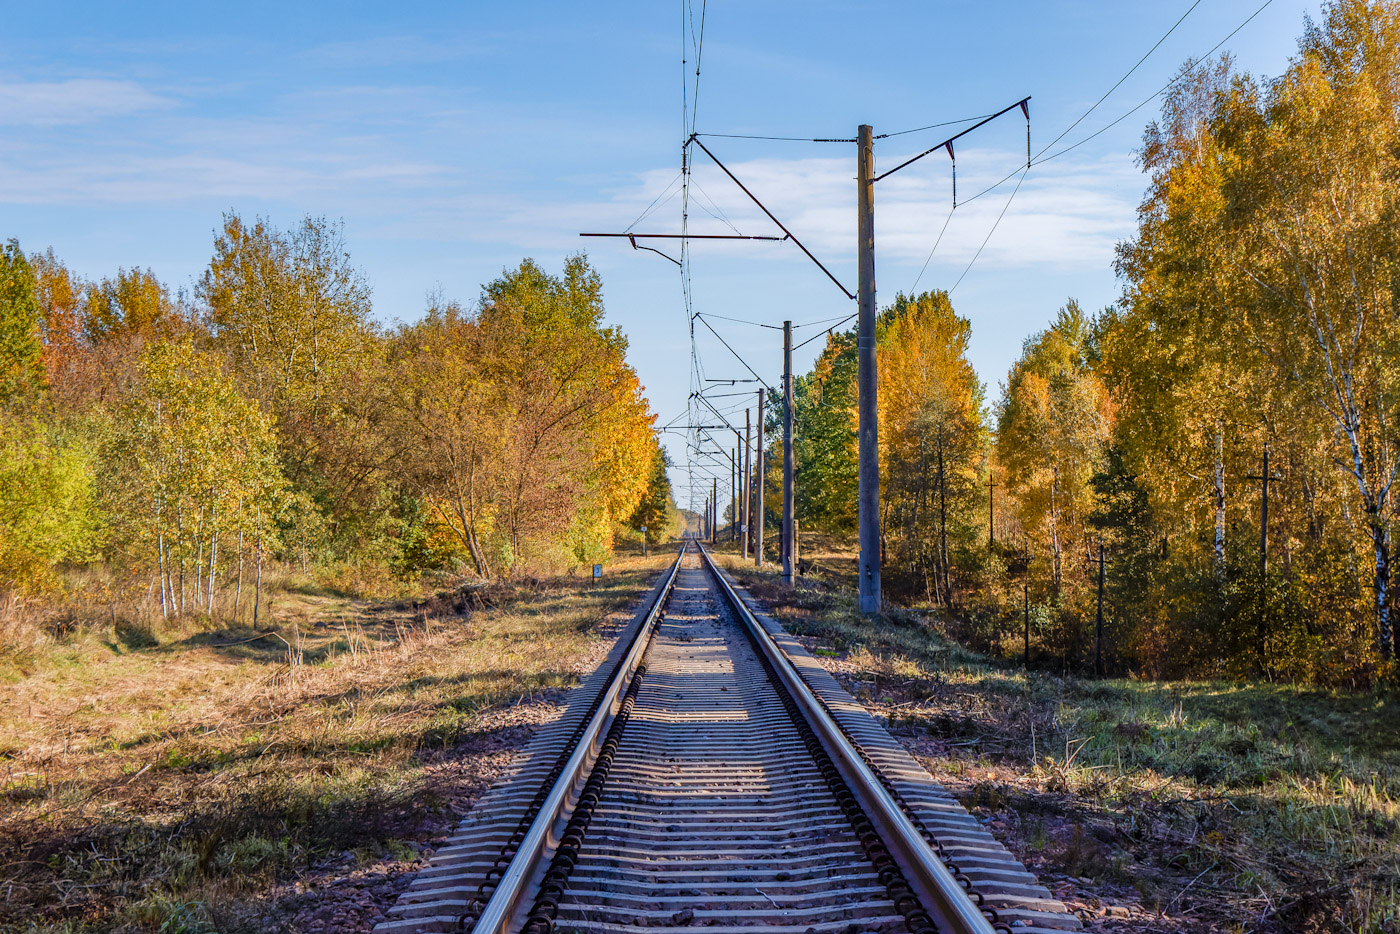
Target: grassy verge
1184, 806
190, 779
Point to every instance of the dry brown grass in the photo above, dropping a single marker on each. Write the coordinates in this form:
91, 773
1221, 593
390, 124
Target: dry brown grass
181, 778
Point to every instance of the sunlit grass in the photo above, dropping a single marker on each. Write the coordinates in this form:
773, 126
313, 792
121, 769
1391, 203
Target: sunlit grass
168, 783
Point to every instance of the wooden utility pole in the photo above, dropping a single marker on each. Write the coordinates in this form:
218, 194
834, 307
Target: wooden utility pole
1098, 620
868, 512
787, 454
758, 516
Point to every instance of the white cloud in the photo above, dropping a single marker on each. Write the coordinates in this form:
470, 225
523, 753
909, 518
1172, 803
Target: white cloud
362, 151
1065, 213
78, 100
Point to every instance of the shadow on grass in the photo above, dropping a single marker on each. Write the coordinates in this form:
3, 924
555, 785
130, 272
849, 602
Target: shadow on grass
93, 873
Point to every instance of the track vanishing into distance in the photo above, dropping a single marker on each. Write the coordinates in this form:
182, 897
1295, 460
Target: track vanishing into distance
710, 774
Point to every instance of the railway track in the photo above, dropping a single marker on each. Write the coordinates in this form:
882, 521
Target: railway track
711, 775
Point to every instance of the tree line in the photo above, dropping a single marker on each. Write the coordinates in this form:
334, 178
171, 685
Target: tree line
1260, 318
179, 442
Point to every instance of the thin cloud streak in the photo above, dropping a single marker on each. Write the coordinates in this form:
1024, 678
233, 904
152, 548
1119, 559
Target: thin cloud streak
76, 101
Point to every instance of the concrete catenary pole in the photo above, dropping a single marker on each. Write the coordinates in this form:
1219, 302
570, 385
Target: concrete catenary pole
741, 506
786, 548
734, 493
748, 481
714, 510
868, 513
758, 512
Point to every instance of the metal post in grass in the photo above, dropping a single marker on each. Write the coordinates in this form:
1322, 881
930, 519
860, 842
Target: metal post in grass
758, 505
788, 522
1026, 594
1098, 619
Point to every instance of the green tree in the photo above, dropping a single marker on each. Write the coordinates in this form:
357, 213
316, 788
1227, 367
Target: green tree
933, 438
526, 429
1052, 423
293, 315
135, 302
21, 353
48, 506
824, 439
1260, 309
656, 510
195, 475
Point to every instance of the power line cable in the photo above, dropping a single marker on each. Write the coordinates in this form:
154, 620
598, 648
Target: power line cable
718, 212
808, 324
827, 332
992, 231
929, 258
1041, 158
699, 44
642, 216
757, 324
785, 139
1120, 80
840, 139
1158, 93
932, 126
734, 352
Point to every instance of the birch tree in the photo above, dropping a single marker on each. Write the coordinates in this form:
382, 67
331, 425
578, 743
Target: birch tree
195, 470
1312, 213
1053, 420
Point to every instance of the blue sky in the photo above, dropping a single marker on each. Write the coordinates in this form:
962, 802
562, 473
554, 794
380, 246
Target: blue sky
455, 139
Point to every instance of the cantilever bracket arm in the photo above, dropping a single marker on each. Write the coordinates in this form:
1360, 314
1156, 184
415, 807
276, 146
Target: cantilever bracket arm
633, 241
728, 348
633, 237
847, 292
1023, 103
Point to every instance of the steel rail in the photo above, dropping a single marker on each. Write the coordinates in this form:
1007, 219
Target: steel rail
532, 857
935, 886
